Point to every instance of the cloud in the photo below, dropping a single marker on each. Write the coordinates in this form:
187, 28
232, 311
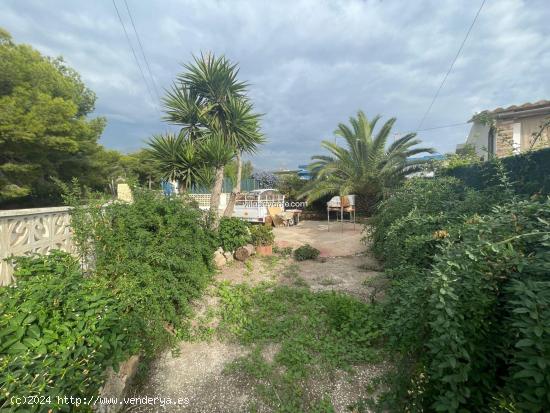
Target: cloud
311, 63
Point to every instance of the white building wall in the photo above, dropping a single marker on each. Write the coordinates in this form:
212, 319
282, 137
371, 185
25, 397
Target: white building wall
479, 138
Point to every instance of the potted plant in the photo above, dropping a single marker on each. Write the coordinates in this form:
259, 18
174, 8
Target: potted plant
262, 238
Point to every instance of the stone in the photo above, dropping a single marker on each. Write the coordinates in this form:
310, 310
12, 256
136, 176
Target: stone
117, 384
124, 193
228, 256
219, 259
250, 249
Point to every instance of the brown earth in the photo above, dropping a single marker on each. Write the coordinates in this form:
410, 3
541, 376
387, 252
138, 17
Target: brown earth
196, 372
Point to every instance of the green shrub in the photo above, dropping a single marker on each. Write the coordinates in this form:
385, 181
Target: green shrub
417, 217
306, 252
233, 233
262, 235
59, 331
468, 297
155, 254
529, 172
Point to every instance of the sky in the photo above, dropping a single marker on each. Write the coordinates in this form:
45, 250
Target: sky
311, 64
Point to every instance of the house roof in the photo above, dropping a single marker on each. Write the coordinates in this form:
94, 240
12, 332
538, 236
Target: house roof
541, 107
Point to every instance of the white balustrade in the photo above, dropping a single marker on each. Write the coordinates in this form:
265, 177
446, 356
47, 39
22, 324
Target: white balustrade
35, 230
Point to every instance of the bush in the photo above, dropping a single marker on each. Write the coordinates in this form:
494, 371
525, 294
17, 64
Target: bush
155, 254
405, 228
262, 235
233, 233
468, 297
529, 172
306, 252
59, 332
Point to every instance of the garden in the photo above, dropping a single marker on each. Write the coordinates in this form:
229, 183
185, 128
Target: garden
440, 303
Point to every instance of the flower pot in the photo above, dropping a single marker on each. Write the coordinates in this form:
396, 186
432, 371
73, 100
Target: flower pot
264, 249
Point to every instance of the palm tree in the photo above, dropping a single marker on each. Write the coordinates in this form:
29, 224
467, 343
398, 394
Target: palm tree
209, 103
365, 166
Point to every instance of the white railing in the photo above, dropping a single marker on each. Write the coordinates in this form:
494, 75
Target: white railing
204, 200
35, 230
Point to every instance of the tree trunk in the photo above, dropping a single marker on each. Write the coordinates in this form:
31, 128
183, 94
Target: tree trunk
216, 194
236, 190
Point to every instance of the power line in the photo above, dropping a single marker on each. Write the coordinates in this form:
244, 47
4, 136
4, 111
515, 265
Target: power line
134, 53
452, 64
443, 126
451, 125
143, 52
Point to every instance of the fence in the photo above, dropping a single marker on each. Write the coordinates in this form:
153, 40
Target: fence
35, 230
247, 185
204, 200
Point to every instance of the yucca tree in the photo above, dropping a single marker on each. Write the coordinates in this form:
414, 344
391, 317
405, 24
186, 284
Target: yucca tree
245, 136
366, 165
209, 103
176, 158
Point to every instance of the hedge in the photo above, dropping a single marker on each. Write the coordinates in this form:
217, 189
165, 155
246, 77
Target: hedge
529, 172
468, 306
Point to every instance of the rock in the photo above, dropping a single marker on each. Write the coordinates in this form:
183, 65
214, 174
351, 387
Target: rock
116, 384
219, 258
250, 249
228, 256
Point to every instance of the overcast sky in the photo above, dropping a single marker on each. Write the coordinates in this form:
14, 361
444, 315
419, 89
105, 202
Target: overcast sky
311, 63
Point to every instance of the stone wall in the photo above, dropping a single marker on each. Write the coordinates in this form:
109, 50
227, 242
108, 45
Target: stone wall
504, 139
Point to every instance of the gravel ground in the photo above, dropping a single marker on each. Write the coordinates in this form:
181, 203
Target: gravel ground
196, 374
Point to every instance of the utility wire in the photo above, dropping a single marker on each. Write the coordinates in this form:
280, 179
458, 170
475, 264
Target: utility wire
442, 127
135, 55
451, 125
451, 67
143, 52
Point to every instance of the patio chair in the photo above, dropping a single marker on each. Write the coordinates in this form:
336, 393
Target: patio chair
342, 204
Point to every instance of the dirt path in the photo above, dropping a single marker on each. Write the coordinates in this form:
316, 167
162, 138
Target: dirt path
196, 374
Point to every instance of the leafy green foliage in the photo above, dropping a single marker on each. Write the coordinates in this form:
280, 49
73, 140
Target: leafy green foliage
306, 252
233, 233
232, 168
528, 343
528, 172
59, 331
323, 332
290, 185
262, 235
418, 217
469, 285
154, 253
44, 129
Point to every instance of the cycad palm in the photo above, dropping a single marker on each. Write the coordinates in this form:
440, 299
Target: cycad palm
364, 166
